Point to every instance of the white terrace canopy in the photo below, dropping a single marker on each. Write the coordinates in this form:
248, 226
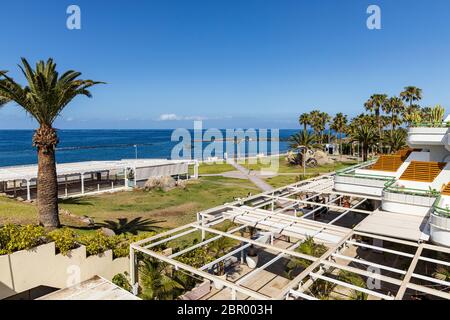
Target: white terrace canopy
142, 169
398, 269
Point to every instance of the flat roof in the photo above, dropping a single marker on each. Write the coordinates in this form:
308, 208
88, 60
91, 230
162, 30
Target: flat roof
28, 172
96, 288
396, 225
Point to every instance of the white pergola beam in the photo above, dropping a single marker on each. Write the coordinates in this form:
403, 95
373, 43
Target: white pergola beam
351, 286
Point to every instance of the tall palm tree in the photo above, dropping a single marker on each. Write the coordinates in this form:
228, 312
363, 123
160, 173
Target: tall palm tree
367, 136
305, 120
319, 121
304, 141
339, 125
395, 140
44, 97
376, 104
157, 281
394, 106
410, 113
411, 94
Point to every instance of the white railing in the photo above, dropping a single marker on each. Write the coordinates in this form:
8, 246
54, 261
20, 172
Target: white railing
362, 181
440, 222
410, 199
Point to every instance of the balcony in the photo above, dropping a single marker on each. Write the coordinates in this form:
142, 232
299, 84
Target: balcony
406, 200
440, 225
427, 134
361, 183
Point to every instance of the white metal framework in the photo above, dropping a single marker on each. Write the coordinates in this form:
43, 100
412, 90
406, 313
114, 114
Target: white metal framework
285, 218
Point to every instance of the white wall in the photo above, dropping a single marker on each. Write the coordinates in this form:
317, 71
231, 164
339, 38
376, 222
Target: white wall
27, 269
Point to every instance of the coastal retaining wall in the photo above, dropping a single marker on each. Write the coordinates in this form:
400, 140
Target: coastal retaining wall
40, 266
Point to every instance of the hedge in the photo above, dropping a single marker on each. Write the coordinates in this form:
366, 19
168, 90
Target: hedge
15, 238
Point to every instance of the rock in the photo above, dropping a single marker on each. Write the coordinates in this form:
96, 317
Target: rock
89, 221
322, 158
164, 183
108, 232
20, 199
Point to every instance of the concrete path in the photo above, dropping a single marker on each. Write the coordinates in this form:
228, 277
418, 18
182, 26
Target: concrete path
257, 181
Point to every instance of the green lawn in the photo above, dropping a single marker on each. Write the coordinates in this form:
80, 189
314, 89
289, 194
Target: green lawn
172, 208
280, 181
285, 167
213, 168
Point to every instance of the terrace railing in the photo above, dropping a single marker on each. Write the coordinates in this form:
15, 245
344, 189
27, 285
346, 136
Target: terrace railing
410, 196
430, 125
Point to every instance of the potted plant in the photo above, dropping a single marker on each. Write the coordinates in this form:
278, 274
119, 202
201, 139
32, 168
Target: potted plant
220, 273
252, 257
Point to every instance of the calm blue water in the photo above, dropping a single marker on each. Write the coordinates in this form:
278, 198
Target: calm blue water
85, 145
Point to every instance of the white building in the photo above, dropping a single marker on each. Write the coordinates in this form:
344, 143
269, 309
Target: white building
93, 177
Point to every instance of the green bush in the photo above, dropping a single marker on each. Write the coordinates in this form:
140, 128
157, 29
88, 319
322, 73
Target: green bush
65, 240
121, 280
96, 243
15, 238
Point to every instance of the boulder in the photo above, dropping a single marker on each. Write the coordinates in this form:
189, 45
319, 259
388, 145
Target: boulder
108, 232
322, 158
164, 183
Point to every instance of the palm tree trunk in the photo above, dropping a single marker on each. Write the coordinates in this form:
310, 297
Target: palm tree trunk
365, 151
340, 145
47, 190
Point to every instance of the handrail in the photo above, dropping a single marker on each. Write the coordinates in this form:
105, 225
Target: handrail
430, 125
439, 211
388, 186
356, 166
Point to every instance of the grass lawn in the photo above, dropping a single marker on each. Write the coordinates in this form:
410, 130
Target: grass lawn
169, 209
213, 168
280, 181
285, 167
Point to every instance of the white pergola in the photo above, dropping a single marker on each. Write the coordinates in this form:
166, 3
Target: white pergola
275, 214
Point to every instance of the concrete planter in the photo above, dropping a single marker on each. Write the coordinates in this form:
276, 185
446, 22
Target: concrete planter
41, 266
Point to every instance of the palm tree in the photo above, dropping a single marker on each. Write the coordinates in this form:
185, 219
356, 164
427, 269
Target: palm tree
394, 106
304, 141
410, 113
339, 124
396, 140
411, 94
123, 226
366, 135
308, 247
157, 281
305, 120
319, 121
375, 104
44, 98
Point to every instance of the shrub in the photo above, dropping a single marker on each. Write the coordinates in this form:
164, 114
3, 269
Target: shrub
65, 240
121, 280
96, 243
15, 238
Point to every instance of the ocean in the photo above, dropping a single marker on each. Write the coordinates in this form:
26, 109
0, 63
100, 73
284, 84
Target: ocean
87, 145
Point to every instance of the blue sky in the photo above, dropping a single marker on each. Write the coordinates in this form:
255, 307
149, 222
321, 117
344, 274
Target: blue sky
232, 63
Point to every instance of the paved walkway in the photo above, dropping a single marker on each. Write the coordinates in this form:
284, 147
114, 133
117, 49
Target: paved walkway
260, 183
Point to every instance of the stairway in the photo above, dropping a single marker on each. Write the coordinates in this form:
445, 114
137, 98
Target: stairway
446, 190
422, 171
390, 162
